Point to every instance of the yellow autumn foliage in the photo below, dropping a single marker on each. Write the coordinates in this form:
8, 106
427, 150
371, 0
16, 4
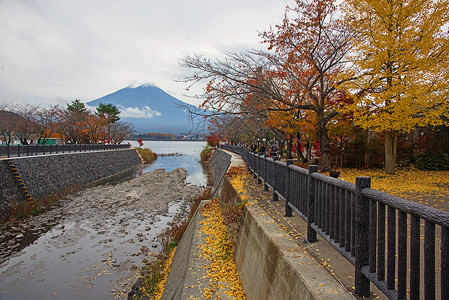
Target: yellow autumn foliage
426, 187
400, 62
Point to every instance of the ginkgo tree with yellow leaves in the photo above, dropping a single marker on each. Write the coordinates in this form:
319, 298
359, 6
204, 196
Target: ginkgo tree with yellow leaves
400, 65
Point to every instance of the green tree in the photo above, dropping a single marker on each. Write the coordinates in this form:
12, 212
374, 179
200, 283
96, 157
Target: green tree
400, 63
73, 122
109, 113
77, 107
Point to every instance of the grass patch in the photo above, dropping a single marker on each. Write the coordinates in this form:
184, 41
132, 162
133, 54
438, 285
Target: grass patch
147, 155
206, 153
34, 207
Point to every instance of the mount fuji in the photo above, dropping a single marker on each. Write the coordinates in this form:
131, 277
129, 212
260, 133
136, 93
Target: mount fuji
150, 109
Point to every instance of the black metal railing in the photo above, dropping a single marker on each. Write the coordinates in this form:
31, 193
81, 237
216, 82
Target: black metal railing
378, 233
28, 150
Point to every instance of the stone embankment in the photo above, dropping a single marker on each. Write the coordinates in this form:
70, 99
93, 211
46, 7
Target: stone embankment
40, 176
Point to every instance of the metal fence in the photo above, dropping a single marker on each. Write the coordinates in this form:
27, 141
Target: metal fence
400, 246
28, 150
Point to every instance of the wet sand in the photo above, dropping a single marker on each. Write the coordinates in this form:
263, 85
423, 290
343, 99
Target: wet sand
92, 244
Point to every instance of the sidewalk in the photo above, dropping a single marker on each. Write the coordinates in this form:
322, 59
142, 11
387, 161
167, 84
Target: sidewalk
295, 228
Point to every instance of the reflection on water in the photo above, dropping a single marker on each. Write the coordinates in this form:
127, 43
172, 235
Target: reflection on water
85, 258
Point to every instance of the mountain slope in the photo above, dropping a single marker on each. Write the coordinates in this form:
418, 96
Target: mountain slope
150, 109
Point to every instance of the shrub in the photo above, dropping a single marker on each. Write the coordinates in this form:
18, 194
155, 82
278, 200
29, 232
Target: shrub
213, 140
432, 162
147, 155
206, 153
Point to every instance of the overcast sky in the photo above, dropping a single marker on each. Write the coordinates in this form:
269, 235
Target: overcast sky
55, 51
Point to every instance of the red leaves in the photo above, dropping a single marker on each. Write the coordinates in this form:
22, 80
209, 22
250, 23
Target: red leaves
140, 141
213, 140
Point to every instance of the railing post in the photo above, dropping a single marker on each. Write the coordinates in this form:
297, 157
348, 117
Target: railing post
8, 150
275, 196
18, 150
253, 158
362, 284
259, 179
265, 186
444, 262
311, 234
288, 209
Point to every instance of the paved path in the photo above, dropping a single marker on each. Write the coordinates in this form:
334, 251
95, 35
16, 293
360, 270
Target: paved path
295, 226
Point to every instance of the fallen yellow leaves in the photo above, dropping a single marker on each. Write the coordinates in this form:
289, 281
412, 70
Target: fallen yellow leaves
222, 271
426, 187
165, 272
237, 182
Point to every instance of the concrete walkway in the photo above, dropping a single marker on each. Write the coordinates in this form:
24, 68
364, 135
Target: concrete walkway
296, 228
188, 276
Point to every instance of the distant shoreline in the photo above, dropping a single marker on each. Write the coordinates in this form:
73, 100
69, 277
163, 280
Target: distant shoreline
179, 137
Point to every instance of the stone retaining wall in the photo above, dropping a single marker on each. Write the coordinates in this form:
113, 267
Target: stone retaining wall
48, 174
10, 191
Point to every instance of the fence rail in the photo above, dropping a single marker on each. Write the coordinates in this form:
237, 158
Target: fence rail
392, 242
28, 150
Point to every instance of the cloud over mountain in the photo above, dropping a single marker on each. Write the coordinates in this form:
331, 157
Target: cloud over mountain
151, 109
136, 112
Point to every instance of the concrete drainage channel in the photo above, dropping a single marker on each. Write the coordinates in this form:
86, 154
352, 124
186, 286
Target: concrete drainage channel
267, 267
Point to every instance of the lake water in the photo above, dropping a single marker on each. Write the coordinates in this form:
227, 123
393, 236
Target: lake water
188, 157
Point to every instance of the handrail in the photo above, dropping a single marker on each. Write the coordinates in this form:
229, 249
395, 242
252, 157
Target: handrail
28, 150
380, 234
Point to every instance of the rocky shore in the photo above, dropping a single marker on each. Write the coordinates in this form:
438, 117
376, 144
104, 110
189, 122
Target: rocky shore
100, 236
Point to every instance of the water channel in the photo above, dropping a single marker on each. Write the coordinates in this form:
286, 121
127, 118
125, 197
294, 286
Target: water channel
84, 249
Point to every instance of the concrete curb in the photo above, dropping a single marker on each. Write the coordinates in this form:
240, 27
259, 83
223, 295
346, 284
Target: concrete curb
272, 266
185, 276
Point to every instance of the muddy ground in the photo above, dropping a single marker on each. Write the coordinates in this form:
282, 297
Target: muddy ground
91, 244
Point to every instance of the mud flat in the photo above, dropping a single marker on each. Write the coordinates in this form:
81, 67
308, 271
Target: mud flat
90, 245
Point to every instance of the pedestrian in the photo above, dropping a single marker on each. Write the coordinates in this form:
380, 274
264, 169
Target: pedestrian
274, 150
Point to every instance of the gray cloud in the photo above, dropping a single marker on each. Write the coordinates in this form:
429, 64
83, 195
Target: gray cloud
86, 49
135, 112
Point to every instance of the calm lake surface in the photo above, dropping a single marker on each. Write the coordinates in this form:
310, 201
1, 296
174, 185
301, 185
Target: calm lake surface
86, 256
188, 158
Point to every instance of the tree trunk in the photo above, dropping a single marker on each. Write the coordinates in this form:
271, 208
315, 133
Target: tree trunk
391, 140
341, 151
288, 153
281, 148
325, 147
298, 148
308, 150
325, 153
366, 147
